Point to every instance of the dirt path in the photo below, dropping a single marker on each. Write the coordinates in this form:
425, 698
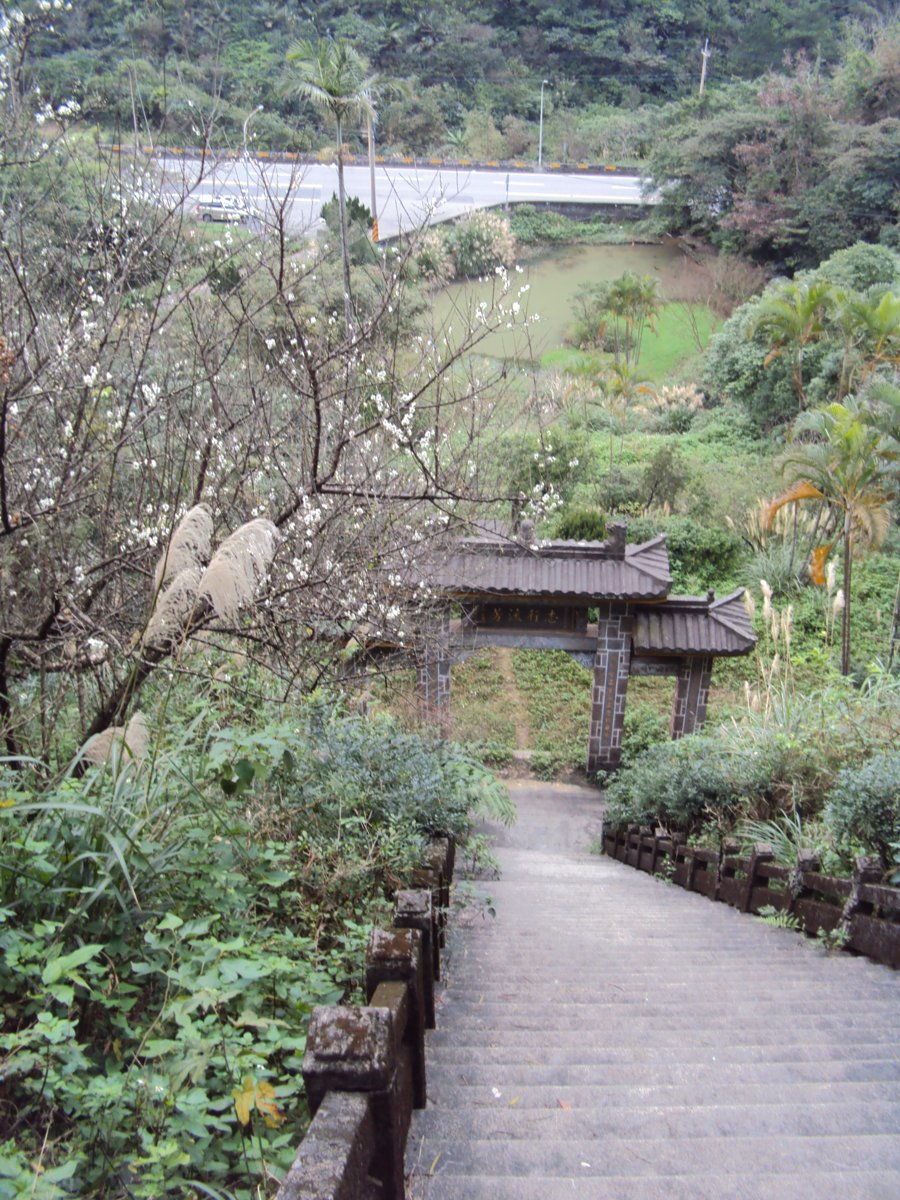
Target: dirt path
514, 699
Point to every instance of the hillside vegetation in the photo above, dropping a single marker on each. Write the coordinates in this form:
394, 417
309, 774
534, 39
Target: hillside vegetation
226, 454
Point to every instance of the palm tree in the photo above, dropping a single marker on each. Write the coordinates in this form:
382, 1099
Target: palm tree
851, 468
869, 329
634, 301
881, 317
334, 77
791, 320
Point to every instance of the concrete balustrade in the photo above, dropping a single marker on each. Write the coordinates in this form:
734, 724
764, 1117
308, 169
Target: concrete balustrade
364, 1068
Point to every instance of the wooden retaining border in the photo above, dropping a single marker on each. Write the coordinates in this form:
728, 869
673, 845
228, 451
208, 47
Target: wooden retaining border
861, 913
364, 1068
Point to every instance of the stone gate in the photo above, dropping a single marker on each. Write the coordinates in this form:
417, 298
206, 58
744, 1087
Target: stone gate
607, 603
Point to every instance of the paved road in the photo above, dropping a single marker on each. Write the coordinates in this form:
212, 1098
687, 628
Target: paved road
607, 1037
406, 197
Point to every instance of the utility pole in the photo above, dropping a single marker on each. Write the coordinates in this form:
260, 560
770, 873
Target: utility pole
705, 53
370, 138
544, 83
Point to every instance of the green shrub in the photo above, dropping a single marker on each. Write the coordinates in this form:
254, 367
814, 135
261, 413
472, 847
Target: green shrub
862, 266
559, 459
780, 566
433, 257
695, 781
533, 226
644, 727
863, 807
581, 524
696, 552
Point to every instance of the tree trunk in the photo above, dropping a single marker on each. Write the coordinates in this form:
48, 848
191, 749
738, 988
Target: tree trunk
845, 616
345, 250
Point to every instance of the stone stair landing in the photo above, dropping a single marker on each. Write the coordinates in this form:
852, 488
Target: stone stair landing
607, 1036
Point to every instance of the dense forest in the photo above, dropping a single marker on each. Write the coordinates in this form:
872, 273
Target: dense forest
160, 64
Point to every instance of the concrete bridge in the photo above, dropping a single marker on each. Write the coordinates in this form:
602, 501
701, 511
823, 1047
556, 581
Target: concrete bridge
407, 195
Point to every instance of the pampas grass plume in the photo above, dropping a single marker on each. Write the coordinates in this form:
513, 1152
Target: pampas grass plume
134, 737
189, 546
173, 607
237, 567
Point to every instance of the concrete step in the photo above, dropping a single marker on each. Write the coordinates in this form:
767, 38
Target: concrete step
593, 1096
551, 997
612, 1022
669, 975
861, 1185
518, 1045
507, 1119
475, 1073
596, 1157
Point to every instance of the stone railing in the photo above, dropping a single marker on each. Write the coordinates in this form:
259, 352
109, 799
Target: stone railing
860, 914
364, 1068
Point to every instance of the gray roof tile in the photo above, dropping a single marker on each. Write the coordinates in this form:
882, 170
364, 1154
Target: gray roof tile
572, 570
684, 625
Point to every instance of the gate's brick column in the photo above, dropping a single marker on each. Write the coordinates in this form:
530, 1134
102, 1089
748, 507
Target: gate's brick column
433, 673
691, 695
612, 664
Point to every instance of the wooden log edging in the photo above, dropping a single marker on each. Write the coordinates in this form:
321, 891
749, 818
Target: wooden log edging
859, 914
364, 1067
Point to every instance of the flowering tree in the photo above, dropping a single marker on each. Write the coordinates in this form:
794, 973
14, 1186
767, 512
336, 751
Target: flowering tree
151, 370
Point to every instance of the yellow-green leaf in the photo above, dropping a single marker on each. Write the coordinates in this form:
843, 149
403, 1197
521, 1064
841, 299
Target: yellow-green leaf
244, 1099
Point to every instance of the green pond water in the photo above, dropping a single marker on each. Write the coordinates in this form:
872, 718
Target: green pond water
553, 280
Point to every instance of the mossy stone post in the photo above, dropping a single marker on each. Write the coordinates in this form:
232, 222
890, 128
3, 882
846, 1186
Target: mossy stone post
395, 956
353, 1050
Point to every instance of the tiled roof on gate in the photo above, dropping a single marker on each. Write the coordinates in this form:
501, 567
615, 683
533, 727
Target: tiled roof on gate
689, 625
584, 571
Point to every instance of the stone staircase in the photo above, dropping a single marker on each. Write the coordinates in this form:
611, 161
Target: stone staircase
607, 1036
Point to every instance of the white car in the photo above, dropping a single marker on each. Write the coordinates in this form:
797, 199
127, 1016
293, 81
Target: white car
227, 209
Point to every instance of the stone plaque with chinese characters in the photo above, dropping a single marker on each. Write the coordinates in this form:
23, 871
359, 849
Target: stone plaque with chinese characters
517, 615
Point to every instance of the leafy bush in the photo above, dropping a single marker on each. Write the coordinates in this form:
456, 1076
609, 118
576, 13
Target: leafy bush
581, 524
781, 567
480, 243
644, 727
862, 266
166, 926
433, 257
864, 806
559, 459
699, 779
736, 371
696, 552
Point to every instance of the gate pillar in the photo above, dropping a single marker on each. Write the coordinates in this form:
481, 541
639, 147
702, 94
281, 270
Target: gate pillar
612, 664
433, 673
691, 695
